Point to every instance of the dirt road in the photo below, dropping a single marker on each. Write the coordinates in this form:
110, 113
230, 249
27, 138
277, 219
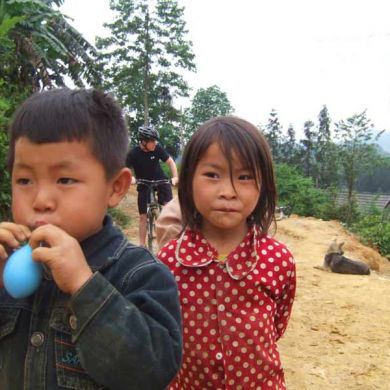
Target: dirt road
339, 333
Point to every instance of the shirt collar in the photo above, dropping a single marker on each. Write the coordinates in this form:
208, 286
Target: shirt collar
193, 250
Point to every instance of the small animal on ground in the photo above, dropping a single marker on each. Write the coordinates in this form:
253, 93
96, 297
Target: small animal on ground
335, 261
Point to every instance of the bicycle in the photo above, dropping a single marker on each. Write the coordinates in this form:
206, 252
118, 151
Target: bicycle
153, 208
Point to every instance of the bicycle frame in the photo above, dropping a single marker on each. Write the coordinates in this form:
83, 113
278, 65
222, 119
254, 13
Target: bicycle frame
153, 208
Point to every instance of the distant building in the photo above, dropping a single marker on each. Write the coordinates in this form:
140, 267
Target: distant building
366, 199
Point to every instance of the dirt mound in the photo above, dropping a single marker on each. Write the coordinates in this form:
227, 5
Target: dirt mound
318, 234
338, 337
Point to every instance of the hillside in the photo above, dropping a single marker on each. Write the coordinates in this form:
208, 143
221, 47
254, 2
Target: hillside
338, 336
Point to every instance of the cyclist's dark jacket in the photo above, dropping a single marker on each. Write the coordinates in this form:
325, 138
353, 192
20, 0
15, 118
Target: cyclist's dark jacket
147, 164
122, 330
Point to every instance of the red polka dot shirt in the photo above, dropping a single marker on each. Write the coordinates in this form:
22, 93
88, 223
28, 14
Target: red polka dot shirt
233, 311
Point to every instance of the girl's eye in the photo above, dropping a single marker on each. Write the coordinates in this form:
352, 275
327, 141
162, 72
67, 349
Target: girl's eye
66, 180
245, 177
23, 181
212, 175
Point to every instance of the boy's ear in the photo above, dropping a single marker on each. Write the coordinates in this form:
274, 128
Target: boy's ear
120, 184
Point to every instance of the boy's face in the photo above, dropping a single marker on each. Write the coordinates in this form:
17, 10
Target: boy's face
60, 183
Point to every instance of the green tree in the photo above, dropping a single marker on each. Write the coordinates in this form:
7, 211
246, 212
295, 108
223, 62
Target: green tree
325, 152
274, 135
45, 47
356, 153
290, 148
143, 57
377, 180
309, 149
206, 103
170, 139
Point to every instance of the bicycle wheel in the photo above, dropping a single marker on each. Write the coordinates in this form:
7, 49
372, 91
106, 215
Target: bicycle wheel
152, 215
150, 228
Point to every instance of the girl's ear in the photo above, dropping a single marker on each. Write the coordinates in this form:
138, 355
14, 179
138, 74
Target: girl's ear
120, 184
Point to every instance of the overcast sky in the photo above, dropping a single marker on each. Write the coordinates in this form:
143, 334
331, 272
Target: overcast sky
291, 55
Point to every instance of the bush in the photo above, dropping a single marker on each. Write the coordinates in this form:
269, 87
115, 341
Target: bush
5, 180
299, 194
373, 228
347, 213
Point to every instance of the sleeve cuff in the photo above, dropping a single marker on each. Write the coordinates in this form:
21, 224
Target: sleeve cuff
88, 301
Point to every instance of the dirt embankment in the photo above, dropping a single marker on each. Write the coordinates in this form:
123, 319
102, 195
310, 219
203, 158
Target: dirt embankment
339, 332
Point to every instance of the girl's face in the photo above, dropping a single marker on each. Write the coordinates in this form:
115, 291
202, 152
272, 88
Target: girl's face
224, 204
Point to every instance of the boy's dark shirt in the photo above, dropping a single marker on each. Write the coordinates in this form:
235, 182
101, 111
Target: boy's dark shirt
147, 164
122, 328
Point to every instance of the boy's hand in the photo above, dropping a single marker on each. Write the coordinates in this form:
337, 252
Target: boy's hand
11, 236
63, 255
174, 181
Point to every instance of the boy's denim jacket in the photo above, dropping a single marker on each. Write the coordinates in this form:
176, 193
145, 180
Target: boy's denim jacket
122, 330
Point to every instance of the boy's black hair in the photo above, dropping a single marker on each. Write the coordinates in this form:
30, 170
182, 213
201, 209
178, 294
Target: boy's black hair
73, 115
233, 135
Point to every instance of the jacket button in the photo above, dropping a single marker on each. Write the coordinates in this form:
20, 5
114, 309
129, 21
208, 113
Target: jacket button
73, 321
37, 339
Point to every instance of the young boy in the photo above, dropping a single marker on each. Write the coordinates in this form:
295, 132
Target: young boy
106, 314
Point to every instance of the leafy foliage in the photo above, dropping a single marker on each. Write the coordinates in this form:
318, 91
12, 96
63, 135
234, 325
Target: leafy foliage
355, 152
5, 182
142, 58
299, 194
325, 152
42, 47
375, 180
374, 229
206, 104
309, 149
274, 135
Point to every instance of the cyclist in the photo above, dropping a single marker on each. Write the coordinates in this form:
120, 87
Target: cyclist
145, 161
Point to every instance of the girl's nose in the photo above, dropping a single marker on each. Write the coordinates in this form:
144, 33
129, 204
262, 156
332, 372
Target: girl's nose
44, 200
227, 189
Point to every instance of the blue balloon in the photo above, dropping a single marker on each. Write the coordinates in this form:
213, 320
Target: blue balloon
22, 275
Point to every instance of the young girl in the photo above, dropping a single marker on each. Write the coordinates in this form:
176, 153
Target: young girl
236, 283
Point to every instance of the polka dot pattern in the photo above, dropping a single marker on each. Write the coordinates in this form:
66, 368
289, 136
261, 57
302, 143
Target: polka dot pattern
233, 312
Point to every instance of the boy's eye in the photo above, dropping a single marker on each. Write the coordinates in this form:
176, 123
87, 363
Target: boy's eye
23, 181
66, 180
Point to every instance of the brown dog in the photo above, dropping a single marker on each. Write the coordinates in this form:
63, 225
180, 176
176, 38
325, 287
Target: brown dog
336, 262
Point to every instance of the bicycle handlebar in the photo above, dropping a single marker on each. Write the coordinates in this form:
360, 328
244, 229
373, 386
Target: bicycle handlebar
153, 182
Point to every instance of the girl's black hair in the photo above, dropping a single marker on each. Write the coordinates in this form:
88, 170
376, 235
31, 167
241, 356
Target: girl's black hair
234, 135
73, 115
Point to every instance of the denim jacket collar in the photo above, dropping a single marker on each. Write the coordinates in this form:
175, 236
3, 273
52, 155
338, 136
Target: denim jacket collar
104, 247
